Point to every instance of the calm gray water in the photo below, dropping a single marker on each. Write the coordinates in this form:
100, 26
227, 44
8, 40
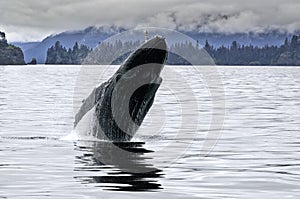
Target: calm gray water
256, 156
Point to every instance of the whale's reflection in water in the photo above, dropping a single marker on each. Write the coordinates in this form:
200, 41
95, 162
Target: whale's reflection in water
122, 166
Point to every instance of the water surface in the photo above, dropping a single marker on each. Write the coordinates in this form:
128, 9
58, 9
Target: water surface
257, 155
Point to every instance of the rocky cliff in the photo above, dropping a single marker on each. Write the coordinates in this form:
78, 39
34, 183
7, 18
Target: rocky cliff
9, 54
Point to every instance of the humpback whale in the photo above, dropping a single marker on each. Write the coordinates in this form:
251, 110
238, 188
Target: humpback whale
119, 105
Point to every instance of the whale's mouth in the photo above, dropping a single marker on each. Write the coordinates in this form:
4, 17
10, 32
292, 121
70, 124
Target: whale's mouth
160, 46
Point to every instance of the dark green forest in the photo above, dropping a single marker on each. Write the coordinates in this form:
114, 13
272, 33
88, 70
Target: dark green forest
286, 54
58, 54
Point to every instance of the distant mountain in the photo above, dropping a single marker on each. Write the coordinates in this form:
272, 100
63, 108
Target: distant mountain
25, 45
91, 37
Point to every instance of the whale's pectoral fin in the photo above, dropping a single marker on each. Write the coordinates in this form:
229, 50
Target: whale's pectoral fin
142, 100
87, 105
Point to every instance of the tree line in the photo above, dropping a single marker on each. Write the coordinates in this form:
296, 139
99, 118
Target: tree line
58, 54
286, 54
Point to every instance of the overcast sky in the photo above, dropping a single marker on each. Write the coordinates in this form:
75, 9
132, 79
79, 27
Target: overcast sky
31, 20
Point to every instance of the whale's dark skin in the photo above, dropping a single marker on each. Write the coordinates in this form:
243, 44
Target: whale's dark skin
122, 102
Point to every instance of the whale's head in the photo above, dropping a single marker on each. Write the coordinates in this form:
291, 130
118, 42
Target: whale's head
153, 53
120, 104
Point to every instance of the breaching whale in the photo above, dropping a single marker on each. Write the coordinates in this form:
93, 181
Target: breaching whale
119, 105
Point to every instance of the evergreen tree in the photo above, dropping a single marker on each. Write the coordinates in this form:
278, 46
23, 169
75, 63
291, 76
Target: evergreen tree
58, 54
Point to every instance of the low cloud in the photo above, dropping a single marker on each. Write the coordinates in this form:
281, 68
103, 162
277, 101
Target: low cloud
33, 20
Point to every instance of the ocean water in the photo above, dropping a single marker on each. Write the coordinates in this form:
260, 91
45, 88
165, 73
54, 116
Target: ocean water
213, 132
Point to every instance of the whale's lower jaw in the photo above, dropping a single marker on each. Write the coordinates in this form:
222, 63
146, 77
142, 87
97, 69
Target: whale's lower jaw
122, 122
117, 113
105, 123
114, 134
111, 133
89, 126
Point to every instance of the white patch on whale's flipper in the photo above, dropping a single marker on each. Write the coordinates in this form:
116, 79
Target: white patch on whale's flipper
73, 136
85, 127
87, 105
